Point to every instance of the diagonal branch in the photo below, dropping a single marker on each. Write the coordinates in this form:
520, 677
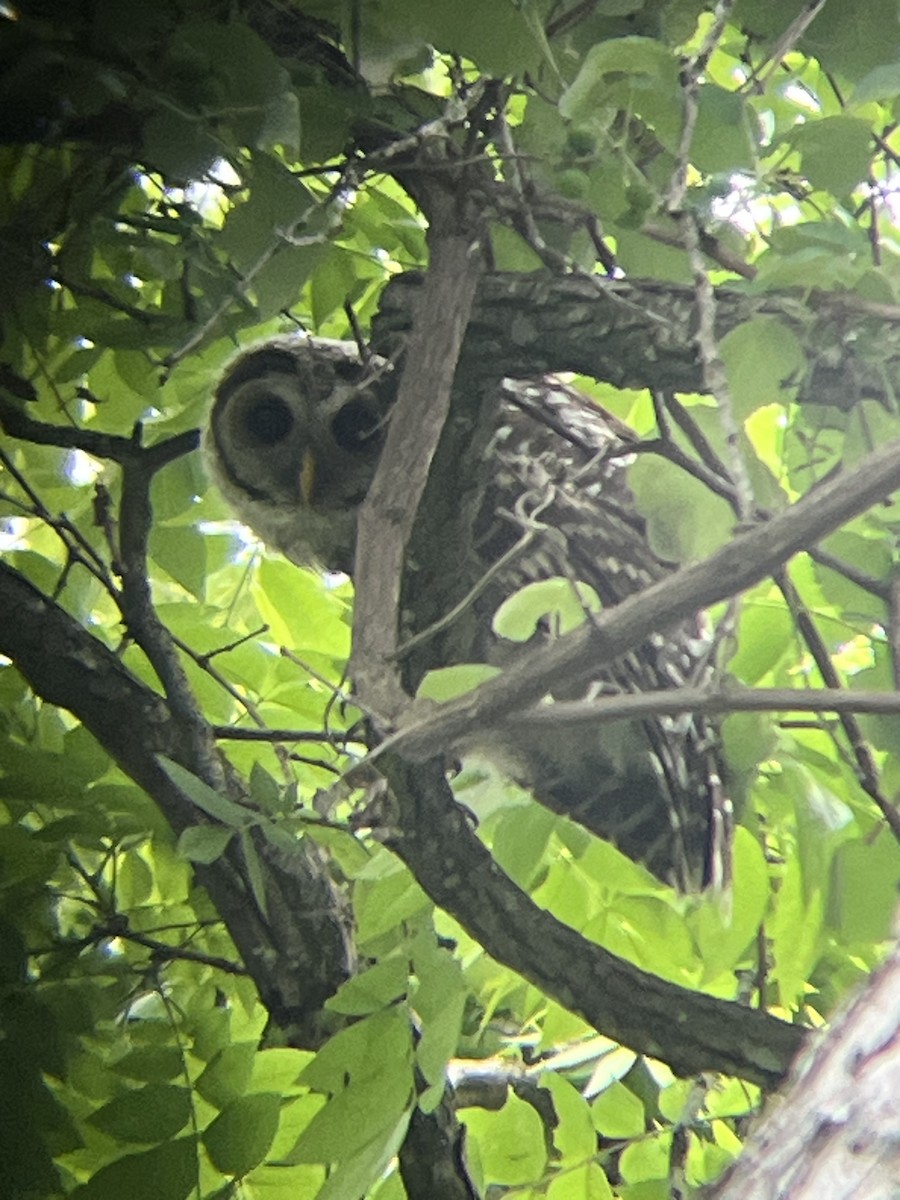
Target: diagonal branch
578, 656
387, 517
690, 1031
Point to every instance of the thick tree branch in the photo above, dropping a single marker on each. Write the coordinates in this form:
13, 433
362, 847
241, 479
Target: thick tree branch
297, 954
690, 1031
639, 333
387, 517
835, 1131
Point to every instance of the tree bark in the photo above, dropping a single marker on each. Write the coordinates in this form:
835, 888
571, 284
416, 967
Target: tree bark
640, 333
834, 1131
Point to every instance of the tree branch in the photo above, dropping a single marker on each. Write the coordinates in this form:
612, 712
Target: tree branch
297, 954
836, 1130
690, 1031
579, 655
525, 326
676, 701
387, 517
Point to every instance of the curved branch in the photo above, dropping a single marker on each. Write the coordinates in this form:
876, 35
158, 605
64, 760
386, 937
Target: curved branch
690, 1031
297, 954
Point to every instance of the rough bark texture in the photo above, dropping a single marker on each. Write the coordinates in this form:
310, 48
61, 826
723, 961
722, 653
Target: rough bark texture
686, 1029
640, 333
835, 1130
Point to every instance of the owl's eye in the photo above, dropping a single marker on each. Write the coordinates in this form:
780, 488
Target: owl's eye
354, 425
269, 421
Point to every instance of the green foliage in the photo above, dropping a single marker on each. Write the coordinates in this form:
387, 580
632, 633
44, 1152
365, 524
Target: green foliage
179, 179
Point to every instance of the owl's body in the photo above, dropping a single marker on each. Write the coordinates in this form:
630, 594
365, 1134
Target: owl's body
293, 444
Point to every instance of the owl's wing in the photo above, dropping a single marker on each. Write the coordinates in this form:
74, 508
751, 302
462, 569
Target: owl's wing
560, 463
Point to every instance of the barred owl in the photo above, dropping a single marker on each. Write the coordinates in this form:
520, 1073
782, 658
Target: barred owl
293, 441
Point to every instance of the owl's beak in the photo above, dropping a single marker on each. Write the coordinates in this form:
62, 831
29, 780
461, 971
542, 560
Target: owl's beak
308, 477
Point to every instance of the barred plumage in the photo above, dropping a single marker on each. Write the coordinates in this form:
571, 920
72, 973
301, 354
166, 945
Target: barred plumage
293, 443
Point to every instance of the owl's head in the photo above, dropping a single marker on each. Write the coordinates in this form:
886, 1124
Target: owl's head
293, 440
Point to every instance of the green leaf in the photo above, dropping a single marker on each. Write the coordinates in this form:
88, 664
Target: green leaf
204, 843
685, 522
766, 636
368, 1070
278, 1069
382, 903
881, 83
279, 284
177, 145
632, 73
439, 1002
135, 883
511, 252
276, 205
212, 1034
647, 1158
560, 603
574, 1136
520, 840
167, 1172
446, 683
356, 1174
372, 990
620, 1111
240, 1136
764, 362
864, 887
725, 926
255, 872
585, 1182
510, 1142
795, 929
747, 739
357, 1051
150, 1114
205, 797
281, 124
721, 141
299, 610
835, 152
227, 1076
500, 38
151, 1063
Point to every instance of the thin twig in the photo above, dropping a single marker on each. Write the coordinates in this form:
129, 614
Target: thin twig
731, 699
866, 768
